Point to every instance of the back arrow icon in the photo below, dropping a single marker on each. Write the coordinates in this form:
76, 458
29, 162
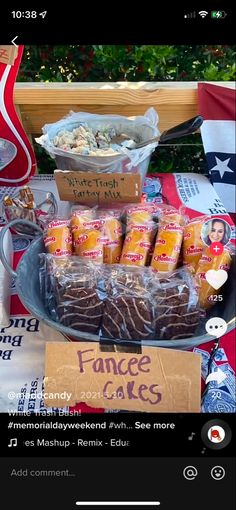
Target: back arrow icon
14, 40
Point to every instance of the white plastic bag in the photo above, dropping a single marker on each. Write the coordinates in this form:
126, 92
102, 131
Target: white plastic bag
134, 161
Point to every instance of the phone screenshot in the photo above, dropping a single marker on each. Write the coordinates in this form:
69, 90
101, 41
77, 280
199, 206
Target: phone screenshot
117, 257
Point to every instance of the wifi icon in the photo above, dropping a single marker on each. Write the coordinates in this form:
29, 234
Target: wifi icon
203, 14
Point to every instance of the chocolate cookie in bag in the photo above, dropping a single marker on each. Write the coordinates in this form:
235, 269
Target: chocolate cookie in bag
176, 307
78, 295
128, 312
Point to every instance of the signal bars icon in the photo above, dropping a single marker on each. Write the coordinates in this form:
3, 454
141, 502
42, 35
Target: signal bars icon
190, 15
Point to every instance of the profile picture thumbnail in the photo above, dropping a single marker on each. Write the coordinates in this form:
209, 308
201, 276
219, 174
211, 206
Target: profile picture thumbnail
216, 230
216, 434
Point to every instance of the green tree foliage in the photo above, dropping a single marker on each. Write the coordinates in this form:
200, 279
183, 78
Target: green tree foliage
131, 63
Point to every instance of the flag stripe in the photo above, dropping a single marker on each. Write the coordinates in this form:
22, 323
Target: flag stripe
218, 135
216, 102
217, 106
227, 194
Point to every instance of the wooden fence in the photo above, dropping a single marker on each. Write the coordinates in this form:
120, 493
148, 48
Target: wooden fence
41, 103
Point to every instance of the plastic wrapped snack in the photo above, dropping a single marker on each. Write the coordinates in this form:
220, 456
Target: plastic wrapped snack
168, 214
80, 217
140, 234
167, 247
113, 239
193, 245
176, 306
37, 206
139, 215
206, 263
79, 301
89, 244
119, 302
128, 312
137, 245
58, 238
86, 231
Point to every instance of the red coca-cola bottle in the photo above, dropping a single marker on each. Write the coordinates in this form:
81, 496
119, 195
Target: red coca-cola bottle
17, 158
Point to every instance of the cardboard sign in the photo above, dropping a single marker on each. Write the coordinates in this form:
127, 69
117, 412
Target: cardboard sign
8, 54
94, 187
158, 380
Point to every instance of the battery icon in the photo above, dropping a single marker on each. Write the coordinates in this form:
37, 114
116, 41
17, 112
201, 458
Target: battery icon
218, 14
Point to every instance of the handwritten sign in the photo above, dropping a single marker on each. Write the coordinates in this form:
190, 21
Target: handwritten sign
158, 380
97, 188
8, 54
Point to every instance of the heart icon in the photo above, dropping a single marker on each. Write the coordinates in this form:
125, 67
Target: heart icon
216, 278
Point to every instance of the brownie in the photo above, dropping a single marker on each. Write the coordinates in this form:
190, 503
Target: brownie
80, 308
79, 303
125, 280
174, 326
176, 312
126, 303
127, 317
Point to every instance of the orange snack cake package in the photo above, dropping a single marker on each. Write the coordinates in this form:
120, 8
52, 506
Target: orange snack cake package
113, 240
80, 218
137, 245
207, 262
172, 217
167, 247
89, 244
86, 233
193, 245
58, 238
168, 214
139, 215
140, 233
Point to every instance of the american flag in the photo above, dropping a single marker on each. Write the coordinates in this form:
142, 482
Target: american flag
217, 106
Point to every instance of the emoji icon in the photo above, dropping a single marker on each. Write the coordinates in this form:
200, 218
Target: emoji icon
216, 327
216, 278
218, 472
